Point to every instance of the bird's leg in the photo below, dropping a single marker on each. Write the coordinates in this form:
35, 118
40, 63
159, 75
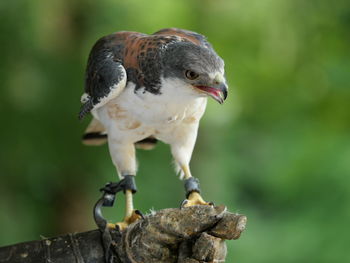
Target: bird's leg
123, 157
131, 215
181, 149
192, 190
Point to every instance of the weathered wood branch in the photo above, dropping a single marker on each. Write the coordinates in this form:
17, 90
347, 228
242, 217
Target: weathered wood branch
189, 235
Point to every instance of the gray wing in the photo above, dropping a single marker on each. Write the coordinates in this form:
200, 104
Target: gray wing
105, 79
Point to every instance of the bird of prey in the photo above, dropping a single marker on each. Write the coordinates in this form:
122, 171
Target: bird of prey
142, 88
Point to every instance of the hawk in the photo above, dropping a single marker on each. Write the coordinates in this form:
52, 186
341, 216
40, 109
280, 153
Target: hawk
143, 88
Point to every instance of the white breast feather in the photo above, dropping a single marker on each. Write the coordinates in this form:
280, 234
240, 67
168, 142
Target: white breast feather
158, 115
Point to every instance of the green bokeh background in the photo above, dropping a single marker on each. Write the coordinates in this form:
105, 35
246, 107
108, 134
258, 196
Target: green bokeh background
277, 151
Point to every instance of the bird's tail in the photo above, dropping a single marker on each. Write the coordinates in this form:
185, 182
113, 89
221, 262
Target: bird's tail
147, 143
96, 134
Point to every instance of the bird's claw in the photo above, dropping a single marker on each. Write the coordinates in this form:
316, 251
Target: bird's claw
194, 199
128, 220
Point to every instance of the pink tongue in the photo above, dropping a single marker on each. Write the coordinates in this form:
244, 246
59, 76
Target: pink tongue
211, 90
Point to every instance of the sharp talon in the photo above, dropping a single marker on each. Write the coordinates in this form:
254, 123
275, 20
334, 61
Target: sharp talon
135, 215
183, 204
211, 203
139, 213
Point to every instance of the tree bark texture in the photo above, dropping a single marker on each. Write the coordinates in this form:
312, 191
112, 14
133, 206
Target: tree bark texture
188, 235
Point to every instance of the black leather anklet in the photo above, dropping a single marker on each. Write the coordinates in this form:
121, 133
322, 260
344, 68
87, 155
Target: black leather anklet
129, 183
191, 185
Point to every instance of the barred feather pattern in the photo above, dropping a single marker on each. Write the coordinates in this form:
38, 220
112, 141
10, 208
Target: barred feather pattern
85, 109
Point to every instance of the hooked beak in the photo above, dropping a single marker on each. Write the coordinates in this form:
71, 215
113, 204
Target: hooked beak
218, 92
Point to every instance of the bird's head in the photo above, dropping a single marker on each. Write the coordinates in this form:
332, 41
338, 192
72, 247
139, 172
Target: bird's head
198, 68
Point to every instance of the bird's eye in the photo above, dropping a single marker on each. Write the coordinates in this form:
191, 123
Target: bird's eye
191, 74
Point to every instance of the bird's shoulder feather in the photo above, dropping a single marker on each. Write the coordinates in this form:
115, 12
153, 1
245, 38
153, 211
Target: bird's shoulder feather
186, 35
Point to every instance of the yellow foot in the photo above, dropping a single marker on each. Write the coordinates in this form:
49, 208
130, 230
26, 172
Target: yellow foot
194, 199
135, 215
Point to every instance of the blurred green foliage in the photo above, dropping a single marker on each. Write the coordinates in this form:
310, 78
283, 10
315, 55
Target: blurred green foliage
277, 151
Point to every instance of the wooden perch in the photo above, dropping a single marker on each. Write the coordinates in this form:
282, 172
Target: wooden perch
189, 235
